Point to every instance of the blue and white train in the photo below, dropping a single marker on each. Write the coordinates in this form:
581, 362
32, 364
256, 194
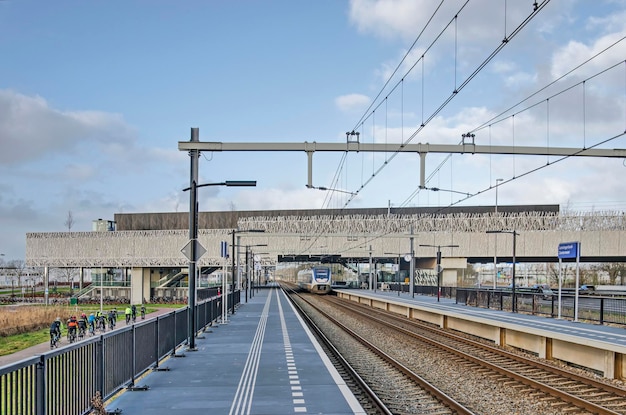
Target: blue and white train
316, 280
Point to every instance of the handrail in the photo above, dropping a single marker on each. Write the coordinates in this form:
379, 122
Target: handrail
84, 363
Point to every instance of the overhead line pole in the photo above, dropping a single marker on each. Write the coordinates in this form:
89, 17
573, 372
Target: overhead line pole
194, 155
419, 148
464, 148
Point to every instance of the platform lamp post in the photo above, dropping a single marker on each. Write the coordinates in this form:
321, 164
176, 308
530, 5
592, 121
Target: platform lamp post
193, 234
101, 289
439, 264
194, 246
371, 282
4, 271
514, 233
248, 273
495, 243
248, 279
232, 285
254, 261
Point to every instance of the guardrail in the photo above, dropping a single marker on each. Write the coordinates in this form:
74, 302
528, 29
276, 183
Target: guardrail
64, 381
592, 308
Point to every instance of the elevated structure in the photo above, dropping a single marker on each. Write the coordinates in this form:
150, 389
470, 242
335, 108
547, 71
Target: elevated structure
142, 245
156, 240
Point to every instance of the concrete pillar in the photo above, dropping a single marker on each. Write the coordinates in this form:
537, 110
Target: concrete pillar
137, 286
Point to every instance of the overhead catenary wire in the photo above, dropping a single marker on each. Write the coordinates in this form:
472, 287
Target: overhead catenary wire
467, 80
493, 119
518, 177
548, 162
522, 110
502, 44
397, 68
425, 121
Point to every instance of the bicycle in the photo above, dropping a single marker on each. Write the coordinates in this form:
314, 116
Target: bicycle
71, 335
102, 324
92, 329
81, 333
54, 340
143, 312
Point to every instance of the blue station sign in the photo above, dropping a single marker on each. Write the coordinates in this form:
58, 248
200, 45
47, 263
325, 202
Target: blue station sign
569, 250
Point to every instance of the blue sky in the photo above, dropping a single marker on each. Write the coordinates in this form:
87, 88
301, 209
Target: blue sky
94, 97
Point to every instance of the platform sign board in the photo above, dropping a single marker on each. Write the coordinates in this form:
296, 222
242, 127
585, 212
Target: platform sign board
569, 250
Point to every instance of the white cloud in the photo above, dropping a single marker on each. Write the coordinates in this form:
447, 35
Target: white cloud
512, 74
78, 172
575, 53
30, 128
387, 18
405, 19
352, 102
273, 198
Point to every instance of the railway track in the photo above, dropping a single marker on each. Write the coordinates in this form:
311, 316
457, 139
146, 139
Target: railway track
567, 390
389, 386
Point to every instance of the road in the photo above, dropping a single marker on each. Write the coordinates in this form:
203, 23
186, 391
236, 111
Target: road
45, 347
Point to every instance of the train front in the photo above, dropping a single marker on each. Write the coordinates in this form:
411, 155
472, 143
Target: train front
321, 280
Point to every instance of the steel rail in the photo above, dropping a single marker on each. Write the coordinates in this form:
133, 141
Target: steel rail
437, 393
565, 396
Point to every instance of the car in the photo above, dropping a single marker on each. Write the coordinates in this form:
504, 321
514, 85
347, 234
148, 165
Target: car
545, 291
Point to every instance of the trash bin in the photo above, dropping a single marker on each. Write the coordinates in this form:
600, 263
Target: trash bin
73, 301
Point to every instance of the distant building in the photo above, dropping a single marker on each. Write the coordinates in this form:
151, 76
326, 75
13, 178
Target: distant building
102, 225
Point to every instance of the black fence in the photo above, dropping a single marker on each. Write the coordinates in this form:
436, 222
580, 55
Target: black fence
64, 381
591, 308
595, 308
444, 292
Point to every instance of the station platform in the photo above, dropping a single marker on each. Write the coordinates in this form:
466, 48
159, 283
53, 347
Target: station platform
263, 360
612, 335
595, 346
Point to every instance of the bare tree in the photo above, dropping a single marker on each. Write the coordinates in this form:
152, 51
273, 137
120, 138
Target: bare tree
69, 221
615, 270
18, 267
67, 275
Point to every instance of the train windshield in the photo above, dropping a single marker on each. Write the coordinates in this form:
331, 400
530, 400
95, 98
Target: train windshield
322, 274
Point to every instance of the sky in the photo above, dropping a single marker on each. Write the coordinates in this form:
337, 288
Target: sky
96, 95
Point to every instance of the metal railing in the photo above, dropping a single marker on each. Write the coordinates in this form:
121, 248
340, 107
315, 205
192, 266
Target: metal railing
603, 309
592, 308
64, 381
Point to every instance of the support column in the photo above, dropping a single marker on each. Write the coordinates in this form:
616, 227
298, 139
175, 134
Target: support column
46, 284
137, 285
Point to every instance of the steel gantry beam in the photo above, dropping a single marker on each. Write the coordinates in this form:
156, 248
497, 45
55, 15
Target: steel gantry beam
419, 148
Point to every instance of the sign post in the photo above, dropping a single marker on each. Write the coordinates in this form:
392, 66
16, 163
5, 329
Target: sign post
224, 255
570, 250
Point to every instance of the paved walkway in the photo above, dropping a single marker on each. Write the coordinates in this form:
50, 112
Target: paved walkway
45, 347
264, 361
